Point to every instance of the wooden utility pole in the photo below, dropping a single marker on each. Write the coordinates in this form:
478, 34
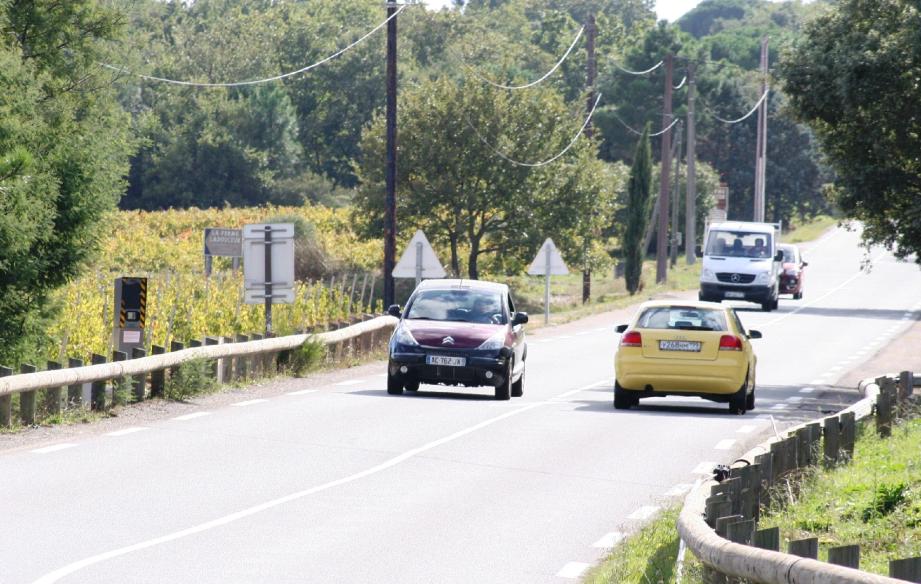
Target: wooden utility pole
590, 102
673, 251
761, 146
662, 235
690, 203
390, 221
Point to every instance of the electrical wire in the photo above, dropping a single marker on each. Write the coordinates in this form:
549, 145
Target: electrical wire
736, 121
533, 83
267, 79
680, 85
650, 70
637, 132
505, 157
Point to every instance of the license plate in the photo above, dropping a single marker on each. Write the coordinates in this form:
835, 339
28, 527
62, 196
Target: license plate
446, 361
687, 346
734, 294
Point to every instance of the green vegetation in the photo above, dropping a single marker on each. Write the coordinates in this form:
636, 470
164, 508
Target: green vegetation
306, 359
809, 230
875, 501
639, 204
191, 378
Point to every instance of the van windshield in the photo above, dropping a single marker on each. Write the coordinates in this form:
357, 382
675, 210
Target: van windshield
739, 244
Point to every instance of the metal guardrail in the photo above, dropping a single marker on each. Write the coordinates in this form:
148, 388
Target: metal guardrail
723, 557
27, 383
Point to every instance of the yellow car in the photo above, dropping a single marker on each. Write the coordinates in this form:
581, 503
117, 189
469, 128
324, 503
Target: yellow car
686, 348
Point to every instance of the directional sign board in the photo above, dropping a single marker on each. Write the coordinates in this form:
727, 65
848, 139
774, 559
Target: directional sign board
548, 261
419, 260
281, 245
223, 242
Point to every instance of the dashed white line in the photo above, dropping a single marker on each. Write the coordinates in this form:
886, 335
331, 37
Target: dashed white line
748, 429
301, 392
351, 382
724, 444
192, 416
704, 468
807, 390
127, 431
795, 399
678, 490
609, 540
780, 406
54, 448
564, 337
835, 368
572, 570
249, 402
818, 381
644, 512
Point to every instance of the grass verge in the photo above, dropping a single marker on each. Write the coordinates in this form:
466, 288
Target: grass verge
809, 230
874, 502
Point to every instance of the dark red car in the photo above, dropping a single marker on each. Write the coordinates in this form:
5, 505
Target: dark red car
792, 271
458, 332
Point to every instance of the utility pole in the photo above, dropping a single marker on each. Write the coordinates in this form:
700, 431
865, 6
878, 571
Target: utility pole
390, 221
761, 146
690, 203
662, 235
590, 101
673, 257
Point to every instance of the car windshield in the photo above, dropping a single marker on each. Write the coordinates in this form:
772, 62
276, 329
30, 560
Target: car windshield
739, 244
682, 317
458, 305
789, 256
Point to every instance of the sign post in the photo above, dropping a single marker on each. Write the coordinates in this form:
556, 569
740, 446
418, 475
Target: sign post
268, 266
222, 242
547, 262
419, 260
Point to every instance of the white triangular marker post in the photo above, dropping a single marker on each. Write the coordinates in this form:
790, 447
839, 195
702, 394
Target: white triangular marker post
419, 260
548, 262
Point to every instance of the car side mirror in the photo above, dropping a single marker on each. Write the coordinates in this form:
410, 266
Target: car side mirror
754, 334
519, 318
804, 264
778, 257
621, 328
698, 252
394, 310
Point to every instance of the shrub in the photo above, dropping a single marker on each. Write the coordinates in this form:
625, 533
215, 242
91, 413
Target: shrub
191, 378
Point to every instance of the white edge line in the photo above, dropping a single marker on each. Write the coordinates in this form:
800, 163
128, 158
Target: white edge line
192, 416
609, 540
572, 570
127, 431
302, 392
54, 448
726, 444
249, 402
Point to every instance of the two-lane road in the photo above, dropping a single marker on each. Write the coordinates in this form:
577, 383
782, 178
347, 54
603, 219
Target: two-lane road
348, 484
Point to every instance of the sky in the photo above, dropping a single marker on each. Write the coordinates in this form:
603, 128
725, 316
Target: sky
670, 10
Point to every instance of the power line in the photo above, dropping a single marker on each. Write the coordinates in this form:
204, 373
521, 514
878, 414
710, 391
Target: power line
650, 70
736, 121
505, 157
267, 79
680, 85
533, 83
637, 132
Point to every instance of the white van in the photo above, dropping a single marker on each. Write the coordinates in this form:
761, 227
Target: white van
741, 262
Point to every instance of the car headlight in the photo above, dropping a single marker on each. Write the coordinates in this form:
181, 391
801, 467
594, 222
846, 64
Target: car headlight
493, 343
708, 274
404, 337
762, 278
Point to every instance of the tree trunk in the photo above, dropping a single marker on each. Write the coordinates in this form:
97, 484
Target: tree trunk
455, 261
474, 256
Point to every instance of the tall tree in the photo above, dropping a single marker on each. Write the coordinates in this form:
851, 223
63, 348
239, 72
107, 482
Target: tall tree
639, 205
64, 150
853, 77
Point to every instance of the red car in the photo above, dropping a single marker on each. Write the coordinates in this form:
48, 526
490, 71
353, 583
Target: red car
792, 271
458, 332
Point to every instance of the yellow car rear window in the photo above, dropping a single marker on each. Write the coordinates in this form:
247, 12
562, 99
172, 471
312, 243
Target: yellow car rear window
682, 317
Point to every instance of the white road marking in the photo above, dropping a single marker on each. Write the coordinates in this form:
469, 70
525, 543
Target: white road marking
351, 382
581, 389
765, 417
704, 468
609, 540
564, 337
572, 570
724, 444
600, 329
582, 334
644, 512
54, 448
60, 573
819, 381
807, 390
780, 406
249, 402
127, 431
192, 416
835, 368
794, 399
301, 392
678, 490
748, 429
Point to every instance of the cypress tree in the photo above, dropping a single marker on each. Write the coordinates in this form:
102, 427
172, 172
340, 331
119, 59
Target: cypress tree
639, 201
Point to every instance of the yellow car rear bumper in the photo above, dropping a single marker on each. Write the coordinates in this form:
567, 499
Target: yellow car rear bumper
722, 376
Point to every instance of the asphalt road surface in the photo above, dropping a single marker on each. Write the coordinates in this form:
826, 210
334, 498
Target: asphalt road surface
344, 483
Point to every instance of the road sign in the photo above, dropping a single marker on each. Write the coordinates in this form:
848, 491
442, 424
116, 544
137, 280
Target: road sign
268, 266
223, 242
548, 262
419, 260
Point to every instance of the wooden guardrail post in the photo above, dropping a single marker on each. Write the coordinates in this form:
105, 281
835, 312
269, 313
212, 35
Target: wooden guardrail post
767, 539
256, 360
27, 399
75, 391
55, 401
227, 365
717, 506
722, 523
194, 343
906, 384
802, 437
845, 555
119, 384
139, 387
157, 378
884, 414
815, 443
173, 347
215, 364
741, 531
6, 403
98, 391
906, 569
240, 368
832, 442
848, 434
804, 548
